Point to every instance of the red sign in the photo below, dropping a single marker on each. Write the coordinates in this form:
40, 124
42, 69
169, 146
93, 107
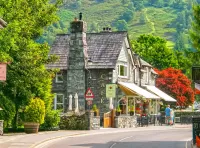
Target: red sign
89, 94
2, 71
89, 102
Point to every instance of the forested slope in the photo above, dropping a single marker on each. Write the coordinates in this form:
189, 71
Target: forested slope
170, 19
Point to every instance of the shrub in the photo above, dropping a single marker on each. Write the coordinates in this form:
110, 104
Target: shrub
52, 118
94, 108
187, 113
74, 122
118, 109
8, 112
35, 111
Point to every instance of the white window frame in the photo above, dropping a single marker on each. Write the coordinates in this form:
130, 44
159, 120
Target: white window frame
58, 75
56, 103
147, 77
125, 76
136, 77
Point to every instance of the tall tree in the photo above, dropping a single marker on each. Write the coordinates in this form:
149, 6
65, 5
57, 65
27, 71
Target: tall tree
27, 75
154, 50
174, 82
195, 34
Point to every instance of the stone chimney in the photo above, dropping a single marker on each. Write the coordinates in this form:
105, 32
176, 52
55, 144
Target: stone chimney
77, 60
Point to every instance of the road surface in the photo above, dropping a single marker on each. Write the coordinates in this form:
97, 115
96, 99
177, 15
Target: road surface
172, 138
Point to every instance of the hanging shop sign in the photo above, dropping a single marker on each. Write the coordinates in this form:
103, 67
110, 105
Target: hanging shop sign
110, 90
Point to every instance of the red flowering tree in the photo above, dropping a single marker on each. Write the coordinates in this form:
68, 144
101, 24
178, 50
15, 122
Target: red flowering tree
176, 84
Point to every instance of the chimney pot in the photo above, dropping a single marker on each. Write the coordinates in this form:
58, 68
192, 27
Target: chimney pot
80, 16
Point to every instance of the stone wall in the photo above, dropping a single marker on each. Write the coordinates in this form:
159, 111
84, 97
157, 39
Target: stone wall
125, 121
94, 122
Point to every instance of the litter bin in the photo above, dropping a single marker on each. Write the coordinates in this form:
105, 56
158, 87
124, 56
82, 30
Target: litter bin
1, 127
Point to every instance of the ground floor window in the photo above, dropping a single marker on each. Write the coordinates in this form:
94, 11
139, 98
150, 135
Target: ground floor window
59, 102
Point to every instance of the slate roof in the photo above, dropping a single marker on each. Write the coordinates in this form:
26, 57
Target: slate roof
60, 48
144, 63
103, 49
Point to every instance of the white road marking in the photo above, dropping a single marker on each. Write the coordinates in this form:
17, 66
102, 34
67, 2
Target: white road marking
120, 140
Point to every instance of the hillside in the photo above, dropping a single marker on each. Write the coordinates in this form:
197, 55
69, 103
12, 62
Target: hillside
169, 19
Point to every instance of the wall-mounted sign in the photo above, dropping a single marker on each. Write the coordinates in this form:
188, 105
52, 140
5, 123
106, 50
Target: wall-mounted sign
110, 90
89, 94
2, 71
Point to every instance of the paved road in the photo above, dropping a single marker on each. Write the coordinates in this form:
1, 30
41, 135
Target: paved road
174, 138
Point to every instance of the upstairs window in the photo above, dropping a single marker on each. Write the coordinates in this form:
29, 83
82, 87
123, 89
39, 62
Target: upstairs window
122, 71
59, 78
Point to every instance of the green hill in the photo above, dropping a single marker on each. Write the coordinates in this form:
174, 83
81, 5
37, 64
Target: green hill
169, 19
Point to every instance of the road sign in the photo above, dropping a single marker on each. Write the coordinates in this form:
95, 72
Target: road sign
89, 102
110, 90
89, 94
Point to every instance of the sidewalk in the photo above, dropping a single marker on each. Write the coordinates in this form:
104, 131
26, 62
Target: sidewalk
32, 140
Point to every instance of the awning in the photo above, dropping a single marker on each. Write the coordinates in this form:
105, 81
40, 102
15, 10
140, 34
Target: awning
160, 93
133, 89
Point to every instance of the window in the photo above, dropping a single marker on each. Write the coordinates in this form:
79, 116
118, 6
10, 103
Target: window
59, 102
59, 78
122, 70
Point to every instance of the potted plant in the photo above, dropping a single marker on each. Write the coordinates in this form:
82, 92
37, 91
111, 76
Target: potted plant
34, 115
131, 110
95, 110
118, 111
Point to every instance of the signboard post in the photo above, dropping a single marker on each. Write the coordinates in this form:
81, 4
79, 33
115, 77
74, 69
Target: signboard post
110, 90
195, 128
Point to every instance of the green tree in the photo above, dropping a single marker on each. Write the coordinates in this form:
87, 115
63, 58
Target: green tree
180, 42
27, 76
195, 35
154, 50
142, 18
127, 15
121, 25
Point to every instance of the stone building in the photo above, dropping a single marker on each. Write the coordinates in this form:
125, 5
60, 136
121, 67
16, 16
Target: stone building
92, 60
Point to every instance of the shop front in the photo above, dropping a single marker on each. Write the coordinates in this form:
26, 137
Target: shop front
136, 106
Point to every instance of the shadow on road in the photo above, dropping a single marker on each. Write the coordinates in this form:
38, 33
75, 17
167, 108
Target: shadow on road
149, 144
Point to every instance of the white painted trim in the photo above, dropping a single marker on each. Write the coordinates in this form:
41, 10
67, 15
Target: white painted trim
127, 70
55, 100
58, 74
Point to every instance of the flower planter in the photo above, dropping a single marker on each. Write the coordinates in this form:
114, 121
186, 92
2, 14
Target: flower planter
131, 113
117, 113
31, 127
95, 113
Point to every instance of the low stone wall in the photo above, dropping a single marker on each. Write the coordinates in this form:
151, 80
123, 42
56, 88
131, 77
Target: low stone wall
125, 121
94, 122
